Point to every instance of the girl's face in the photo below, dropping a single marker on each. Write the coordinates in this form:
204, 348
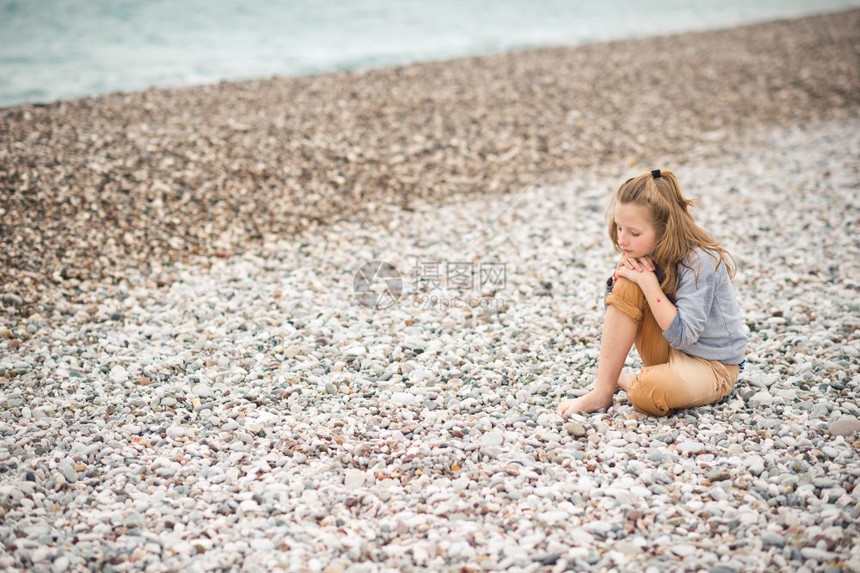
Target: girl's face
636, 235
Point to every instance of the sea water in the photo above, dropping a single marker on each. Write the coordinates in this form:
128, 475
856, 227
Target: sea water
60, 49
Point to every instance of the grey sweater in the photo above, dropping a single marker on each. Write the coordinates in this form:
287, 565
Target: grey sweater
708, 323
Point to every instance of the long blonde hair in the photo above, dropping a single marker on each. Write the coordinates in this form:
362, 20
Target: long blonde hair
677, 232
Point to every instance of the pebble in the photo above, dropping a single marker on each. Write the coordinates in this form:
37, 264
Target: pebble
494, 438
817, 554
61, 564
404, 399
354, 479
628, 548
575, 429
690, 447
202, 390
12, 299
683, 549
755, 465
581, 537
118, 375
719, 475
67, 469
762, 398
770, 539
845, 426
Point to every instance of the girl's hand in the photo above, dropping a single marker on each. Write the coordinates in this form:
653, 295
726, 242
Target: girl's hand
635, 269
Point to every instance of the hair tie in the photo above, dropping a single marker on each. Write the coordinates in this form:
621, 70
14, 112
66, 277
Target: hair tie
655, 173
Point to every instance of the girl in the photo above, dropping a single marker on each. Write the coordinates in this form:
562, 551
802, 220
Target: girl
671, 295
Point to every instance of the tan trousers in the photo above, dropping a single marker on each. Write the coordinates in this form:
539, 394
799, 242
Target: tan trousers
670, 379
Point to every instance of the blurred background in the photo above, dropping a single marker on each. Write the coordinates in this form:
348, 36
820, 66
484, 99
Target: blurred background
61, 49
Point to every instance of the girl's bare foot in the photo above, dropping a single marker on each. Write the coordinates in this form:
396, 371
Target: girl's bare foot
625, 379
591, 402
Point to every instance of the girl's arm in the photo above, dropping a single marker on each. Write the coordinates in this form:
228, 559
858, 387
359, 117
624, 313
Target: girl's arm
641, 271
661, 307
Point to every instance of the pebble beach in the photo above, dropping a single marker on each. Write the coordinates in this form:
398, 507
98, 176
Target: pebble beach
188, 380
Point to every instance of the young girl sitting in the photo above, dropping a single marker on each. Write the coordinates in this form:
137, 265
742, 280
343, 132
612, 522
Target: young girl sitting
672, 296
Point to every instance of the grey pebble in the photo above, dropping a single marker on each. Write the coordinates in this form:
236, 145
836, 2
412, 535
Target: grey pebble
690, 447
67, 469
845, 426
817, 554
770, 539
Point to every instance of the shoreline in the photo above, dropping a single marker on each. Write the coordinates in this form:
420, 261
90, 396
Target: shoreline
361, 69
99, 186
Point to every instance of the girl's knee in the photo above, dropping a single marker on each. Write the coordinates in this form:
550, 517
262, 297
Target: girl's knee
627, 297
627, 289
647, 395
